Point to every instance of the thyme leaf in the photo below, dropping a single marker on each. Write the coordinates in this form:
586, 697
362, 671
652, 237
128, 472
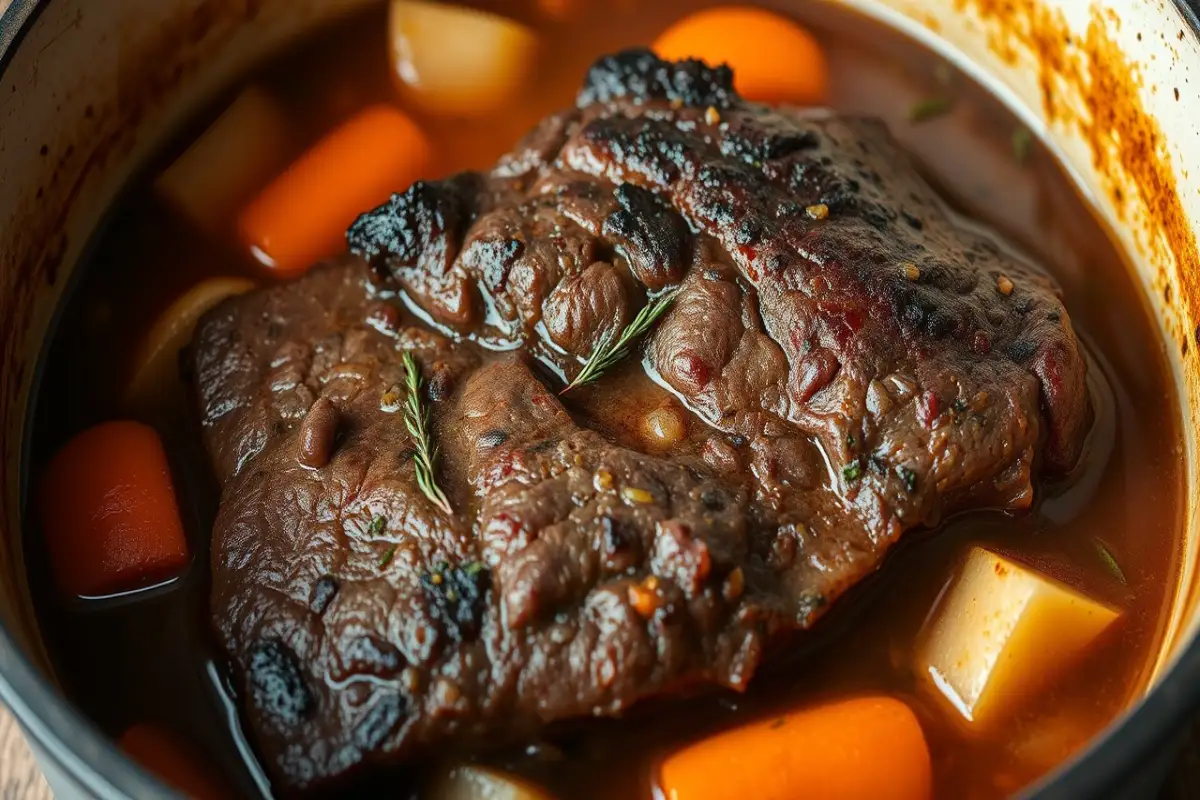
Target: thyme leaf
416, 420
1022, 144
611, 349
388, 555
925, 110
1110, 561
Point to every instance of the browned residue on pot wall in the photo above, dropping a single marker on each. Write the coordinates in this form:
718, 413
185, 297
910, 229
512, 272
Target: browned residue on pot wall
151, 66
1088, 83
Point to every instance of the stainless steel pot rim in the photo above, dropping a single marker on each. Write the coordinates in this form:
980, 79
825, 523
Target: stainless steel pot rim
90, 759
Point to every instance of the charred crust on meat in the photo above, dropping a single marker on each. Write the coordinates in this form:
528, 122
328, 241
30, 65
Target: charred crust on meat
1021, 350
650, 234
441, 382
757, 144
457, 595
619, 546
640, 76
277, 687
654, 148
380, 722
323, 592
713, 500
493, 438
422, 227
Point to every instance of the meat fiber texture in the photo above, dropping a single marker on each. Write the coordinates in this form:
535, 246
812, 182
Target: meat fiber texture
858, 364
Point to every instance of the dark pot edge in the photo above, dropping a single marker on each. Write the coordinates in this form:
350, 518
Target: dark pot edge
79, 751
97, 766
1155, 727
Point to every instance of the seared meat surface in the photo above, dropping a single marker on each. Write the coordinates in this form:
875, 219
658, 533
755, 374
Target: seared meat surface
855, 361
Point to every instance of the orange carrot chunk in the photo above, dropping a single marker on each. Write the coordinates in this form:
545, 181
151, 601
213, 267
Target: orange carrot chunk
158, 752
865, 747
774, 60
302, 216
108, 512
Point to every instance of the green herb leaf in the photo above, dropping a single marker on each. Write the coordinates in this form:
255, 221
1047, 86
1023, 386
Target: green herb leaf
909, 477
376, 526
852, 471
416, 420
928, 109
1022, 144
612, 349
1110, 561
388, 555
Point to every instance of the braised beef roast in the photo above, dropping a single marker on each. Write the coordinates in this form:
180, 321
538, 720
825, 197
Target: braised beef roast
857, 362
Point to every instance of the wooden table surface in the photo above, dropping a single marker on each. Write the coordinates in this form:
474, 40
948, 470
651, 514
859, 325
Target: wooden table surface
19, 775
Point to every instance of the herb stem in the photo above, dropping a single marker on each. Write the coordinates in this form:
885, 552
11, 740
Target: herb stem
925, 110
1022, 144
1110, 561
612, 348
416, 420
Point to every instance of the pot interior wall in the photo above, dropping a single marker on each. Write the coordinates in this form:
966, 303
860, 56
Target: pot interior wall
91, 92
1106, 84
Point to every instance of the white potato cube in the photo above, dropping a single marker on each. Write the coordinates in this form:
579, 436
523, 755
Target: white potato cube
1002, 632
238, 154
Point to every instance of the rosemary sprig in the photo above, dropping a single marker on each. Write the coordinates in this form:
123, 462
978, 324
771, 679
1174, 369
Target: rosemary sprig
416, 419
611, 349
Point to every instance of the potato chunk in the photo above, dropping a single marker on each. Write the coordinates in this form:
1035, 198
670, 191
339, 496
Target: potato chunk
1002, 633
472, 782
241, 151
459, 62
155, 382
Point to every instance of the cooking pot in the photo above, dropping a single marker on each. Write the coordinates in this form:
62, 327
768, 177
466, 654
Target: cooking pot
89, 90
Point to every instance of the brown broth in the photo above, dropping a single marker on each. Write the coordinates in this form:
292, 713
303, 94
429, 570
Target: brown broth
148, 656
